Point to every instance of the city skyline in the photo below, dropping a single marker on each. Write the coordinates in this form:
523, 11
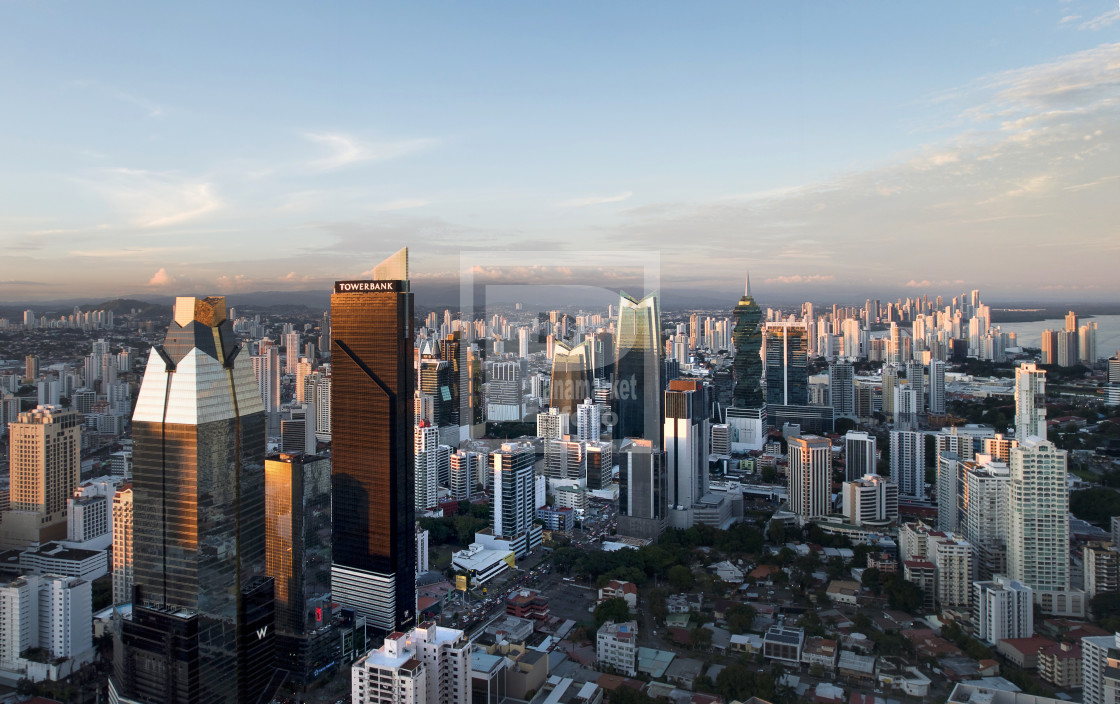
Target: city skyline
831, 150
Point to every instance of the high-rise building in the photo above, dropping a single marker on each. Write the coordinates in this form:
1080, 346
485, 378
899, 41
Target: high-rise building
985, 515
465, 470
200, 597
297, 557
686, 436
565, 459
435, 381
861, 457
504, 401
949, 488
1100, 563
429, 664
890, 390
47, 612
426, 464
1002, 608
513, 500
936, 386
952, 556
746, 417
638, 366
787, 360
303, 369
45, 464
122, 545
642, 490
600, 465
842, 390
571, 378
266, 367
1038, 536
870, 500
371, 458
1030, 402
291, 352
1100, 669
915, 381
908, 462
810, 477
1087, 344
552, 425
588, 421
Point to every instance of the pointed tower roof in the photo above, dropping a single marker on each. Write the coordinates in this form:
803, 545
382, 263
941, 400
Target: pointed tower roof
748, 294
394, 268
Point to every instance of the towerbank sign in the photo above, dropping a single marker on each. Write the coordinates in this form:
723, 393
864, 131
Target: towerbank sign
366, 286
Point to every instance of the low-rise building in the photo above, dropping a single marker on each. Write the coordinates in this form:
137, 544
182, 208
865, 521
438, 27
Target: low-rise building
55, 558
820, 651
1023, 652
728, 571
1060, 665
527, 603
843, 592
627, 591
783, 644
616, 646
430, 663
481, 563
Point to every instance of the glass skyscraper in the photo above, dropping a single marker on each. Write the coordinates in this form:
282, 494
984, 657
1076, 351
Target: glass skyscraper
202, 622
747, 336
372, 408
787, 364
638, 366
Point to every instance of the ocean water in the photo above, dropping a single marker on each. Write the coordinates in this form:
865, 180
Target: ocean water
1108, 332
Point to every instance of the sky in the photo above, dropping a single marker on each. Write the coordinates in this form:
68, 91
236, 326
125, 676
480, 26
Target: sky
831, 149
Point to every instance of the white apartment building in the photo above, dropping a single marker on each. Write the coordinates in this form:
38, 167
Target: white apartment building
870, 500
810, 476
1100, 669
428, 665
908, 462
1030, 402
1002, 608
986, 497
616, 646
122, 545
952, 556
1038, 536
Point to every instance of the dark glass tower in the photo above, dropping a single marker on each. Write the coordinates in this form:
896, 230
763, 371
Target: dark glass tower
202, 623
298, 557
374, 570
638, 365
747, 336
787, 364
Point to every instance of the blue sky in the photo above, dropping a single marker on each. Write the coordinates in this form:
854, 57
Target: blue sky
844, 149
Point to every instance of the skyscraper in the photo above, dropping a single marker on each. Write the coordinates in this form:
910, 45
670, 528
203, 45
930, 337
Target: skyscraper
122, 545
372, 391
861, 457
787, 359
908, 462
571, 378
298, 553
842, 389
747, 336
687, 434
915, 379
426, 465
514, 498
936, 386
638, 365
202, 619
46, 445
588, 421
642, 490
266, 367
810, 477
1038, 535
1030, 402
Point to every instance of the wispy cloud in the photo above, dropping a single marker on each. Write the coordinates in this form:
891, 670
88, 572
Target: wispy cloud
1101, 21
801, 279
926, 283
594, 200
150, 199
1068, 19
346, 149
399, 204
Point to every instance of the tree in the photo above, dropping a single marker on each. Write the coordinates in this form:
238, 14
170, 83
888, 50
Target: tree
701, 638
872, 579
612, 610
776, 532
681, 578
1097, 505
1106, 610
739, 618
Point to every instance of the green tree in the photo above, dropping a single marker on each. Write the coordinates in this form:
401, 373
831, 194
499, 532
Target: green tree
701, 638
1106, 610
1097, 505
612, 610
739, 618
681, 578
776, 532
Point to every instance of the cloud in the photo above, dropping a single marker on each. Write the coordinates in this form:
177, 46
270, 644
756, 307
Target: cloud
926, 283
23, 283
801, 279
594, 200
346, 149
1069, 18
150, 199
233, 284
399, 204
1101, 21
1031, 152
161, 278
